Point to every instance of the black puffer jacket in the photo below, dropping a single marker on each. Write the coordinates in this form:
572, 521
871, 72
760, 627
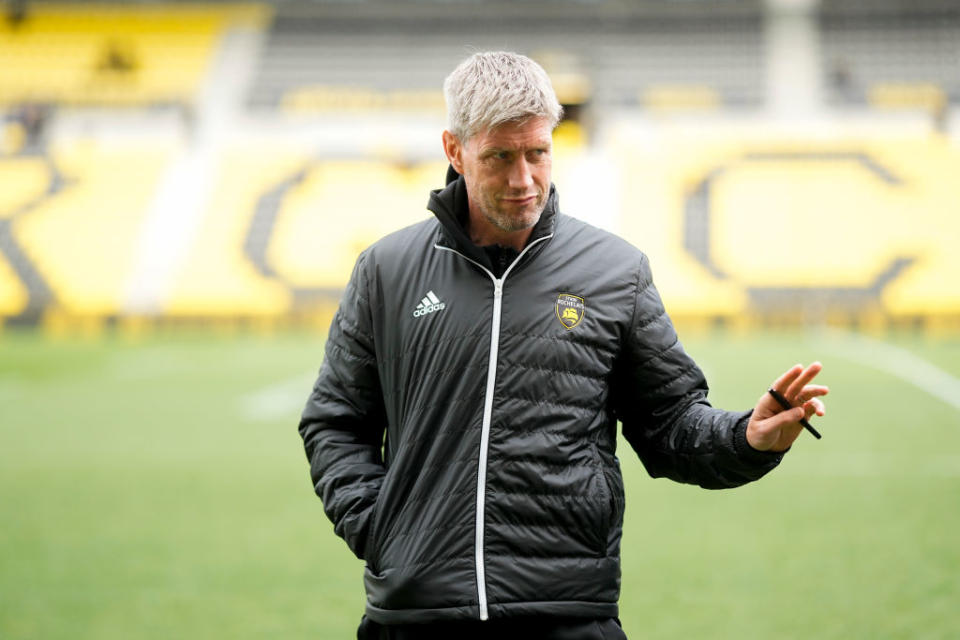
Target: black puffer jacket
496, 491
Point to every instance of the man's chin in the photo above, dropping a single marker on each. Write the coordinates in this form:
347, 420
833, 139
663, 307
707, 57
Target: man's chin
522, 219
519, 224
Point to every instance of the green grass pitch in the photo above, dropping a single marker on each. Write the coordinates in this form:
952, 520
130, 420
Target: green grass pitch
159, 489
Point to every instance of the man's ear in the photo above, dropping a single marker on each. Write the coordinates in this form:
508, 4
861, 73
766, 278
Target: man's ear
454, 150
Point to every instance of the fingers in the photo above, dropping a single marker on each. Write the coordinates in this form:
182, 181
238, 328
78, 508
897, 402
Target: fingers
812, 407
794, 383
786, 379
810, 392
805, 376
794, 386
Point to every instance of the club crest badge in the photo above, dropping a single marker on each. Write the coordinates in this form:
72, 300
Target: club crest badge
570, 310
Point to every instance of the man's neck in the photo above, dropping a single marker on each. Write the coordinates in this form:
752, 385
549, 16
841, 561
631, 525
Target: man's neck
482, 233
515, 239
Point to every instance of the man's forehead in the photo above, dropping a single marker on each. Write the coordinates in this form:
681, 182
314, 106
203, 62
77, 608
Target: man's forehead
534, 130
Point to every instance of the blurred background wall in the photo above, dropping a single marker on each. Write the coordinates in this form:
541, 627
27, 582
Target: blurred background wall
781, 162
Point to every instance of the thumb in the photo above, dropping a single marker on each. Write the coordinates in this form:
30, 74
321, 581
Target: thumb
785, 417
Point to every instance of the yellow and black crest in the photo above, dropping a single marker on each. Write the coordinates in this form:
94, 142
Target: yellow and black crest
570, 310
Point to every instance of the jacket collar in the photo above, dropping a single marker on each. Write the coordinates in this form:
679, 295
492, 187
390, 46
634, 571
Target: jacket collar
451, 208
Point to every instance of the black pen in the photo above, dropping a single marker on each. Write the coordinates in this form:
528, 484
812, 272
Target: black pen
783, 402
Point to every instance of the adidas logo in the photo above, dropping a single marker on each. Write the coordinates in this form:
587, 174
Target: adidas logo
429, 304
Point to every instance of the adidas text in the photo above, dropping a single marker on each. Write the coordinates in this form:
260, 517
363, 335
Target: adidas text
429, 304
425, 310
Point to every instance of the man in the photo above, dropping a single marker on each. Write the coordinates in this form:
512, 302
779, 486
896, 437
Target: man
462, 429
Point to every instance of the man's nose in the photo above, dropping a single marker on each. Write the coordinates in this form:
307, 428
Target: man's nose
520, 175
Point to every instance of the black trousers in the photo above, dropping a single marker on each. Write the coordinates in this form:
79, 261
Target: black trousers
498, 629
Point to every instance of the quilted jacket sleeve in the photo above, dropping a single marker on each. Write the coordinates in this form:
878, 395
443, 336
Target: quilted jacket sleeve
661, 400
343, 422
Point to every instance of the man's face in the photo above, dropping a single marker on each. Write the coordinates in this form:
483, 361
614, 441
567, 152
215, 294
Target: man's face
507, 173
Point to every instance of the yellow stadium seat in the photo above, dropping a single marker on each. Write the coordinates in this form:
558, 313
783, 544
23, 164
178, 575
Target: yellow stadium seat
321, 225
83, 238
831, 220
13, 295
324, 226
113, 55
680, 97
23, 180
217, 279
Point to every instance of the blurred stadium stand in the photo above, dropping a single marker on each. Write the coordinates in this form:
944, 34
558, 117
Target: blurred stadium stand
398, 54
891, 54
109, 55
218, 162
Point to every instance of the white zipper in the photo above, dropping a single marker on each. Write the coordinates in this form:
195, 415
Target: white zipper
488, 415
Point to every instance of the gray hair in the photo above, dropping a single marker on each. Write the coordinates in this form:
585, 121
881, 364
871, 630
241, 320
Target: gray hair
491, 88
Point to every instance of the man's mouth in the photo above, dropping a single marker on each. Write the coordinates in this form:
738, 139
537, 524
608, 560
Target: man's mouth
521, 200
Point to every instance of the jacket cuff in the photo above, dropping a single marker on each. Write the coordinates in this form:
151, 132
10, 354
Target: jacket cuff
747, 453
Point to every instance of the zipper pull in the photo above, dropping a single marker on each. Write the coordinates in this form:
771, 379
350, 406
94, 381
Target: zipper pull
497, 289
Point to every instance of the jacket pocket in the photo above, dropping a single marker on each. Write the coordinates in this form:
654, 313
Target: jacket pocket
368, 553
603, 504
371, 547
614, 484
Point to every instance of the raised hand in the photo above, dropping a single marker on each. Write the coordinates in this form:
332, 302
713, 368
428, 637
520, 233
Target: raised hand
771, 428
